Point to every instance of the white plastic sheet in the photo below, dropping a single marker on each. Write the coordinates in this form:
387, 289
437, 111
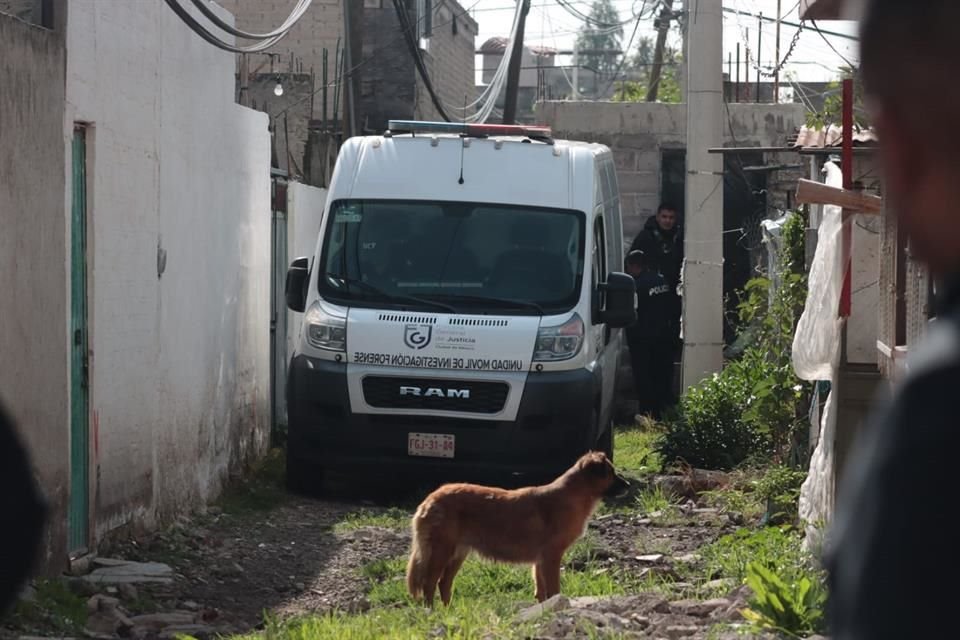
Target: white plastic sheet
815, 344
816, 356
817, 490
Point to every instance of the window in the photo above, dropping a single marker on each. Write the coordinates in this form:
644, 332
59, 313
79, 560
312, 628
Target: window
475, 256
424, 21
36, 12
599, 261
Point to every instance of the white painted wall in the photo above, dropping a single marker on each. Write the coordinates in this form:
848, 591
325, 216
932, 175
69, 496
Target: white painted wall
304, 215
180, 367
34, 288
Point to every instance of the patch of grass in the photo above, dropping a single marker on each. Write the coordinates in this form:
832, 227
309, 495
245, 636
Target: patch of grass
653, 499
778, 548
634, 450
733, 501
262, 489
486, 598
586, 551
392, 518
648, 542
463, 620
54, 607
494, 584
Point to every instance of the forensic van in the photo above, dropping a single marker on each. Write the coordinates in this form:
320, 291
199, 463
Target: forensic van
462, 309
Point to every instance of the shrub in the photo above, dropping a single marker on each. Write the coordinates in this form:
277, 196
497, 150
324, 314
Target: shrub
711, 429
756, 406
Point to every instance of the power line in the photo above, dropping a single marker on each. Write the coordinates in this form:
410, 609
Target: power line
349, 72
836, 34
407, 29
830, 44
265, 44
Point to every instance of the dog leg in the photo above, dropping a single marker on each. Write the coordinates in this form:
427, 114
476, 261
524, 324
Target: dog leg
541, 586
440, 557
450, 572
549, 566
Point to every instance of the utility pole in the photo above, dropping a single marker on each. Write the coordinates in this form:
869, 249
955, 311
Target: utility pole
776, 62
663, 26
702, 278
244, 79
349, 36
513, 71
576, 70
759, 45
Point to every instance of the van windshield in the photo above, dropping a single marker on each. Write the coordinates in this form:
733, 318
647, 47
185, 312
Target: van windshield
452, 256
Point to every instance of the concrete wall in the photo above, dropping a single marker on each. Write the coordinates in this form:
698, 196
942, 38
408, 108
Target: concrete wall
304, 215
638, 133
180, 360
33, 258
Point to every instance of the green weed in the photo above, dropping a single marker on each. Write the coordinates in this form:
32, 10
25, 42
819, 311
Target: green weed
392, 518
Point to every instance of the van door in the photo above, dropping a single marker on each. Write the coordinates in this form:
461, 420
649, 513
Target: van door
606, 356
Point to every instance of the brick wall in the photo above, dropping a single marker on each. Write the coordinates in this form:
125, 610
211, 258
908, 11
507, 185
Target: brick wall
291, 115
450, 62
387, 85
390, 87
319, 28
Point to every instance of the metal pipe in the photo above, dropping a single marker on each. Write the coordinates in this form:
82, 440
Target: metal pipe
847, 170
738, 72
759, 44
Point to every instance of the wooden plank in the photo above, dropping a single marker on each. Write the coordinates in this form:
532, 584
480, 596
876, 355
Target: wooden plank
813, 192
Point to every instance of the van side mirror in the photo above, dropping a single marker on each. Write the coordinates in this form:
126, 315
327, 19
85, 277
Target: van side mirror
620, 309
298, 275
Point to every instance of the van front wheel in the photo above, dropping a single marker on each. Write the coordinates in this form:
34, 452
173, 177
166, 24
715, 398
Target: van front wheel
301, 477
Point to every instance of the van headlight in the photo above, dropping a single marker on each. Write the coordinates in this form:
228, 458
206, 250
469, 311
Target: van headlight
560, 342
323, 330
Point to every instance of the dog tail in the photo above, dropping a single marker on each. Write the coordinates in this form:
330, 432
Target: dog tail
419, 559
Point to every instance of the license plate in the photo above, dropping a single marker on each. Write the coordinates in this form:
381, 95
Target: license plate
433, 445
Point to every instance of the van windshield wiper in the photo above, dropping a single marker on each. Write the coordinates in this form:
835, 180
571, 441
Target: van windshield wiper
390, 297
466, 297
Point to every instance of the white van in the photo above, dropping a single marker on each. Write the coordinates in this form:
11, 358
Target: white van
463, 307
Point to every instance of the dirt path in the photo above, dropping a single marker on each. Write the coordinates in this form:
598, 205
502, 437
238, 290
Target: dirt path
269, 554
296, 559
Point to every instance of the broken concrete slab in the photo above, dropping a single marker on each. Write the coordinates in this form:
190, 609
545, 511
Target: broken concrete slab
124, 572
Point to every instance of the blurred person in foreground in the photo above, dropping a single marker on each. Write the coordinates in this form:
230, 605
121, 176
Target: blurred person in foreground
22, 514
891, 554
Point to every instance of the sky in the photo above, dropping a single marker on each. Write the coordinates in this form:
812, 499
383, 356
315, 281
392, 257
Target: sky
812, 59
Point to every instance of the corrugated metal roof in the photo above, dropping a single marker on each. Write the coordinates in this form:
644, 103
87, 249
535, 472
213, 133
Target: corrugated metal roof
832, 136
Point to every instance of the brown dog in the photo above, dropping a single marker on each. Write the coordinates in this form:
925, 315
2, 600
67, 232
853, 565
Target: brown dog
532, 525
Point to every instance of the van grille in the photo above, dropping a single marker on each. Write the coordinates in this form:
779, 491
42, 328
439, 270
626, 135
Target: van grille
395, 317
478, 322
385, 392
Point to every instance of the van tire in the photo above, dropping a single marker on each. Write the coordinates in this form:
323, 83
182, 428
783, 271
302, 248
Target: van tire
301, 477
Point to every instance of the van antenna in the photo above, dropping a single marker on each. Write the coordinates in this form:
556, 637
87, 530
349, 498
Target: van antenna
460, 181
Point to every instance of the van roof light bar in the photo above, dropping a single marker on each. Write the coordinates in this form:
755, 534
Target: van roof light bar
473, 130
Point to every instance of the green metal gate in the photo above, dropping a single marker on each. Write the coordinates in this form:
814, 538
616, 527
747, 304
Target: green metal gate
79, 510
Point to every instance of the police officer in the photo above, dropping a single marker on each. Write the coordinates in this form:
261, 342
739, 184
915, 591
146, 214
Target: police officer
649, 339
